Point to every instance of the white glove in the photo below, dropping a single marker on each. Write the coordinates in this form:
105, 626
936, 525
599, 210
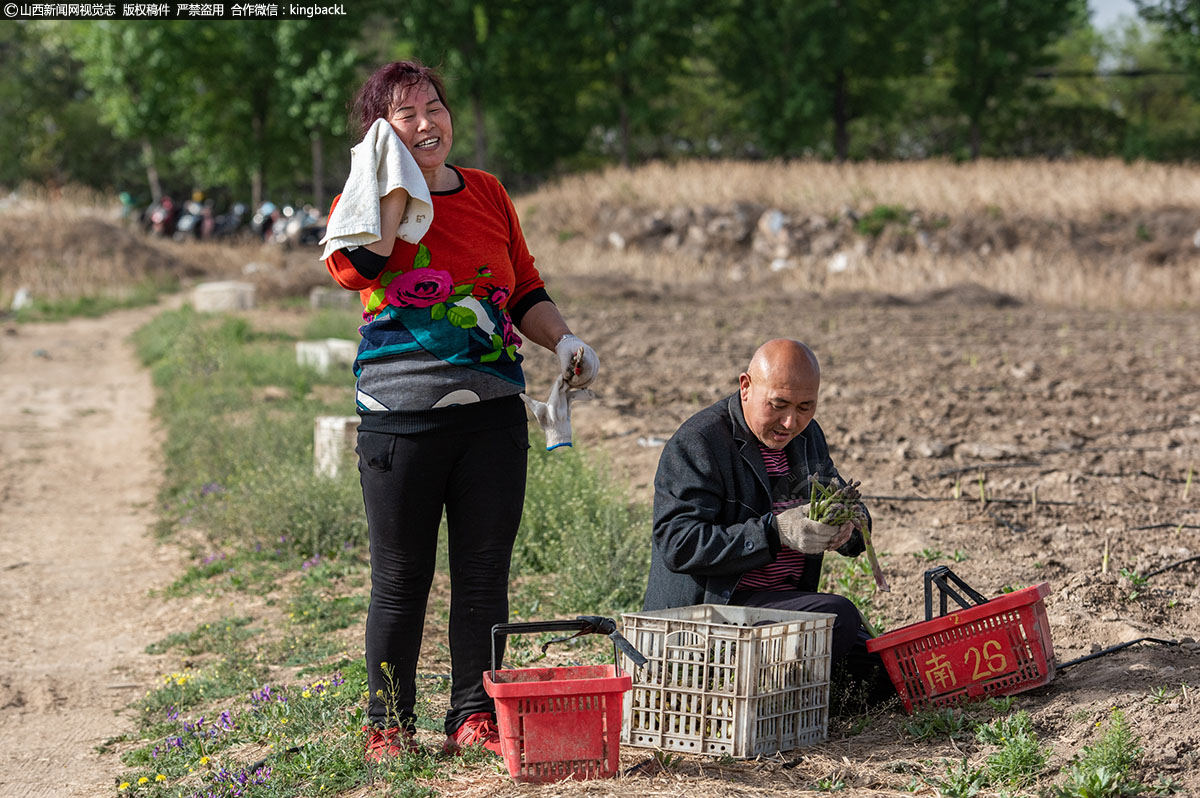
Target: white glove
554, 414
577, 360
800, 533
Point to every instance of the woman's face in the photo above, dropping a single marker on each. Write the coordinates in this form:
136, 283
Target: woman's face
423, 123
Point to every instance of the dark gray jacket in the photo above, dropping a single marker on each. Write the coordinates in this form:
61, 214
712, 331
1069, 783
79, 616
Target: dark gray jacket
712, 507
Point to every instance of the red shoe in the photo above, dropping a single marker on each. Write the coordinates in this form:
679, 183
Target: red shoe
384, 743
478, 729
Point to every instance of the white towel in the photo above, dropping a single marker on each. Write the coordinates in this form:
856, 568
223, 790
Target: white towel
379, 164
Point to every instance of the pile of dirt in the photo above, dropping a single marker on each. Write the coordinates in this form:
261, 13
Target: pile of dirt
57, 256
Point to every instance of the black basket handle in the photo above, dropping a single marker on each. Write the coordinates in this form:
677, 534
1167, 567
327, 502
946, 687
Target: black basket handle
939, 576
582, 625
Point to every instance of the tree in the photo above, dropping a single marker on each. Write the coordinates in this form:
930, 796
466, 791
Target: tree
633, 49
130, 69
317, 69
993, 46
804, 67
455, 36
1180, 21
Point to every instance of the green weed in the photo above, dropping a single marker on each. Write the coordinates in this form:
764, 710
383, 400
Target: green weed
875, 220
221, 635
1106, 768
947, 723
333, 323
577, 524
1020, 758
962, 781
143, 293
851, 577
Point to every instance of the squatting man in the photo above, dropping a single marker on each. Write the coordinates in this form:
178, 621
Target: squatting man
731, 519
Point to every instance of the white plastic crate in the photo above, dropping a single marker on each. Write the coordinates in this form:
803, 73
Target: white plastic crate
717, 683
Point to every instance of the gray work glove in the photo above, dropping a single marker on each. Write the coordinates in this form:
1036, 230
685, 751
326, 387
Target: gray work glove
577, 360
554, 414
800, 533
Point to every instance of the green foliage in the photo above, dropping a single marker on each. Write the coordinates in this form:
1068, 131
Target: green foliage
851, 577
578, 525
1020, 758
333, 324
240, 467
144, 293
929, 724
873, 222
219, 635
992, 46
962, 781
1107, 767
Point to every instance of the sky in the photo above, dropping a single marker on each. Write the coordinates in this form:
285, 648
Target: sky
1106, 12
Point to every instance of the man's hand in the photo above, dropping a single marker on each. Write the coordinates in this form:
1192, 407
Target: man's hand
554, 415
800, 533
577, 360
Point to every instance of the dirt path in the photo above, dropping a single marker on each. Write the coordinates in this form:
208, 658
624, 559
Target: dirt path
78, 476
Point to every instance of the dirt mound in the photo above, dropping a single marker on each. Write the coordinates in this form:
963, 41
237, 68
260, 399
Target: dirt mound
54, 255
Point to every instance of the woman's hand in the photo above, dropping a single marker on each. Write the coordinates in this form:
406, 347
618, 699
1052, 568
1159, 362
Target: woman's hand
391, 211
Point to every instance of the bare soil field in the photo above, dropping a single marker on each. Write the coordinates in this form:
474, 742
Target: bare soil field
1080, 428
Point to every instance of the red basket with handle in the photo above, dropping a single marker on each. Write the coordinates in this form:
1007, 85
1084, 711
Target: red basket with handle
997, 646
560, 723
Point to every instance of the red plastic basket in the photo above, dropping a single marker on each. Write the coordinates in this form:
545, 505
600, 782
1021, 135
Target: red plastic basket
558, 723
999, 647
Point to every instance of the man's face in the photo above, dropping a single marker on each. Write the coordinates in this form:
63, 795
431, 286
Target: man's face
778, 409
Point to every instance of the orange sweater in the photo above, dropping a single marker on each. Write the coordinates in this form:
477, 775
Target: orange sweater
437, 330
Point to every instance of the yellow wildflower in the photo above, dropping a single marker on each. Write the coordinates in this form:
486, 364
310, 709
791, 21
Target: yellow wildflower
143, 780
306, 694
203, 760
160, 777
123, 786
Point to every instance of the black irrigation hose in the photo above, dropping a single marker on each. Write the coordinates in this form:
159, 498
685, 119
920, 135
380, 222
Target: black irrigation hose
968, 500
1117, 647
1169, 567
295, 749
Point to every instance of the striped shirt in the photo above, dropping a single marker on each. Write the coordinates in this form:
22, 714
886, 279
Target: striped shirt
782, 573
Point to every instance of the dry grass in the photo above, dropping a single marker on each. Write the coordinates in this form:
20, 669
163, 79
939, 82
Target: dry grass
1048, 189
72, 242
65, 242
1050, 268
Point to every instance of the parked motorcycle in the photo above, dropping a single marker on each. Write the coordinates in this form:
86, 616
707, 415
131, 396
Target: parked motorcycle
162, 216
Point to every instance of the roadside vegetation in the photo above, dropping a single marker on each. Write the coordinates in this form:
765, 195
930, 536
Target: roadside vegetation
270, 700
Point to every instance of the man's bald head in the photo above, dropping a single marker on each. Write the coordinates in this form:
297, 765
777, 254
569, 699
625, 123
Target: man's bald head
779, 391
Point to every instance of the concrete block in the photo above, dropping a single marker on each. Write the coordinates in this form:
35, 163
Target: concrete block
321, 297
223, 296
324, 355
334, 439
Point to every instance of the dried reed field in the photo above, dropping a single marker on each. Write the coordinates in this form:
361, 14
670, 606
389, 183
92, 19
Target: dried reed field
1085, 234
1065, 189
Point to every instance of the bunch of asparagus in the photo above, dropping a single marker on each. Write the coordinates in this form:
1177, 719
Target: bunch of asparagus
836, 505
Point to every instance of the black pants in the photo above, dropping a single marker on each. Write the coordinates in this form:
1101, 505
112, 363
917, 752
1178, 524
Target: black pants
407, 480
859, 677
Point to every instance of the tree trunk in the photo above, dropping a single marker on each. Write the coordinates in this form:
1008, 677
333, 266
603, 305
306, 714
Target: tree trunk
480, 132
256, 188
841, 118
151, 171
256, 174
626, 133
975, 139
318, 164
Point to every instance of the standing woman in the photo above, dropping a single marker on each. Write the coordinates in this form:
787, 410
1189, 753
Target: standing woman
442, 425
